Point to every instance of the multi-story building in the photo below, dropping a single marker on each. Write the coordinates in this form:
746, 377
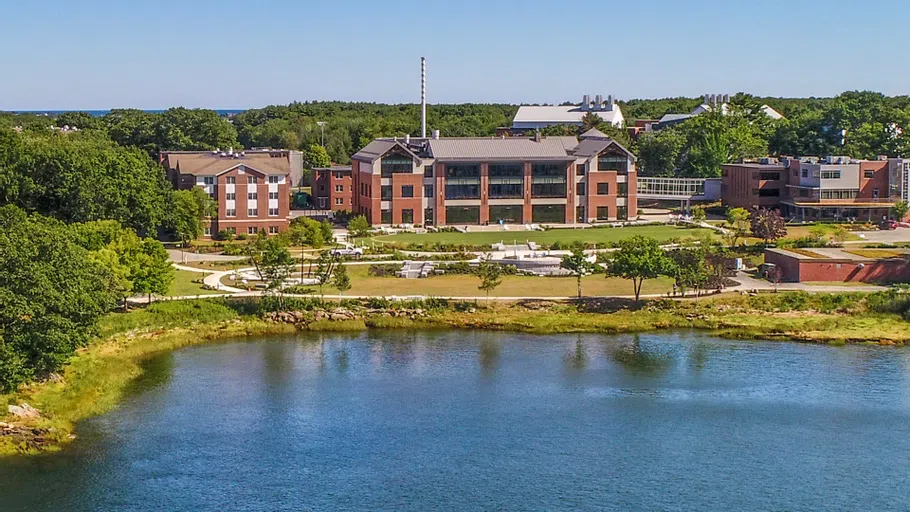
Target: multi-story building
251, 187
333, 188
836, 188
458, 181
533, 117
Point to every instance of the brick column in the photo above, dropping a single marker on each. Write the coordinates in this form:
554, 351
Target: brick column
526, 209
484, 193
439, 205
570, 193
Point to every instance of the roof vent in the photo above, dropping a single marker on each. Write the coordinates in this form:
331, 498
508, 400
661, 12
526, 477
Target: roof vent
436, 134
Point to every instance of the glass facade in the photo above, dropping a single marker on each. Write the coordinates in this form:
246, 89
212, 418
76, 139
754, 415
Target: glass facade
385, 193
506, 180
622, 189
396, 164
462, 181
548, 180
548, 213
462, 215
508, 214
612, 163
671, 186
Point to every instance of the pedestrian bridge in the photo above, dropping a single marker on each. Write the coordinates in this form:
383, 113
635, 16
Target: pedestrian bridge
679, 189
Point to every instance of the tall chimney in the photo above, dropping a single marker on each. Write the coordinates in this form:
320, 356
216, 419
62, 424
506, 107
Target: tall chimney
423, 97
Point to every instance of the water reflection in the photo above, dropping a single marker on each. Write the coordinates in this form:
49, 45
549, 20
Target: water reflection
576, 359
642, 359
488, 351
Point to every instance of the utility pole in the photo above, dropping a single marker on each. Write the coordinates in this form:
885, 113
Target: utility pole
322, 126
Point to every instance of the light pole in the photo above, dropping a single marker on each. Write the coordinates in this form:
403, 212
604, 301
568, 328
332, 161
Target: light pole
322, 127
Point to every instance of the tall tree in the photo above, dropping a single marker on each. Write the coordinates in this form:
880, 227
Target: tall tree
738, 224
189, 211
316, 156
490, 275
639, 258
359, 227
340, 280
768, 225
51, 295
578, 265
273, 262
900, 209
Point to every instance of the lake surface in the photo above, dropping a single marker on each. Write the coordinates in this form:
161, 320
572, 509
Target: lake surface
423, 421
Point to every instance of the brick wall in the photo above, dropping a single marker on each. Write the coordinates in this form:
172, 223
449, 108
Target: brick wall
832, 270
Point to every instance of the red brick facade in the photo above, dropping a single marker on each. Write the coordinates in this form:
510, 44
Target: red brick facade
743, 186
795, 269
333, 188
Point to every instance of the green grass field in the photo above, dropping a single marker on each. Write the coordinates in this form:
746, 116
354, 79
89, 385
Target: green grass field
512, 286
183, 284
590, 235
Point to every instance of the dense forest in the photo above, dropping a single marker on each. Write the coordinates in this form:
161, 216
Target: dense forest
859, 124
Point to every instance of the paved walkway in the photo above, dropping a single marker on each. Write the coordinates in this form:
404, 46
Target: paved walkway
177, 256
212, 278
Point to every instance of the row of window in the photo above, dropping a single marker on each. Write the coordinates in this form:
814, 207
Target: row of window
232, 180
504, 188
251, 212
603, 189
273, 230
401, 164
251, 196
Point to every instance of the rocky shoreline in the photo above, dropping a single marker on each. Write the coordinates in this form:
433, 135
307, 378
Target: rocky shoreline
339, 314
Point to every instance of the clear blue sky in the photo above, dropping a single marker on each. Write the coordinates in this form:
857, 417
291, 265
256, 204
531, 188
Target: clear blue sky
97, 54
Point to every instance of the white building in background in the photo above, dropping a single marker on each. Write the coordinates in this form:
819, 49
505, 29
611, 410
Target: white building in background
711, 101
533, 117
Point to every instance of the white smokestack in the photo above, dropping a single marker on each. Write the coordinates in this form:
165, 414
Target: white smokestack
423, 97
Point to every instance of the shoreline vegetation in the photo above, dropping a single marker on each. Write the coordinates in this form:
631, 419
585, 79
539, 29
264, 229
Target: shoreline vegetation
100, 375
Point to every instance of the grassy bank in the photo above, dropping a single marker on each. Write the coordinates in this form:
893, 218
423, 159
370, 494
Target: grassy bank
99, 375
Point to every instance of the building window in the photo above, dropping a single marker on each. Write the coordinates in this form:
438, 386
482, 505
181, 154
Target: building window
273, 230
230, 180
252, 180
273, 195
612, 163
839, 194
428, 171
396, 164
868, 174
462, 181
274, 179
339, 189
769, 176
230, 212
339, 200
252, 212
251, 230
603, 189
548, 213
803, 192
508, 214
338, 175
769, 192
505, 180
209, 180
622, 213
207, 231
548, 180
428, 216
805, 173
230, 196
428, 191
462, 215
273, 212
407, 216
622, 189
830, 175
580, 169
603, 213
407, 191
580, 189
580, 214
386, 193
252, 196
875, 193
385, 216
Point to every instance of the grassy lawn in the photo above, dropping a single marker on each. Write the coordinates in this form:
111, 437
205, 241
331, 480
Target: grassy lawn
590, 235
183, 284
512, 286
879, 253
806, 252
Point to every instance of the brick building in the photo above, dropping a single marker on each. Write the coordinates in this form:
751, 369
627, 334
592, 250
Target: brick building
251, 188
837, 188
458, 181
845, 268
333, 188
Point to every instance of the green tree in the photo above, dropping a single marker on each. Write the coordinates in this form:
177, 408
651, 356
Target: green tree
340, 280
189, 211
591, 121
306, 231
153, 273
698, 214
490, 275
639, 258
328, 232
578, 265
768, 225
359, 227
738, 225
690, 268
51, 295
316, 156
273, 262
659, 152
900, 209
325, 268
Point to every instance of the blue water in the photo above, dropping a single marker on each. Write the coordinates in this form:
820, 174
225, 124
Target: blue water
492, 421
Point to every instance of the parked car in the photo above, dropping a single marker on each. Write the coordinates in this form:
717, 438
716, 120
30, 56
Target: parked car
887, 224
347, 251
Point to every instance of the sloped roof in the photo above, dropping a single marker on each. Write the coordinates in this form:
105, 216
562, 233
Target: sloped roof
590, 147
205, 163
594, 133
561, 115
379, 147
509, 148
669, 118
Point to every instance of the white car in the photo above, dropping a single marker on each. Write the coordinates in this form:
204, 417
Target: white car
348, 251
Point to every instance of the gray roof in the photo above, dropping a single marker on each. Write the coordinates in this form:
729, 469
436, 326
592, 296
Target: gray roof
510, 148
590, 147
380, 147
669, 118
594, 133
